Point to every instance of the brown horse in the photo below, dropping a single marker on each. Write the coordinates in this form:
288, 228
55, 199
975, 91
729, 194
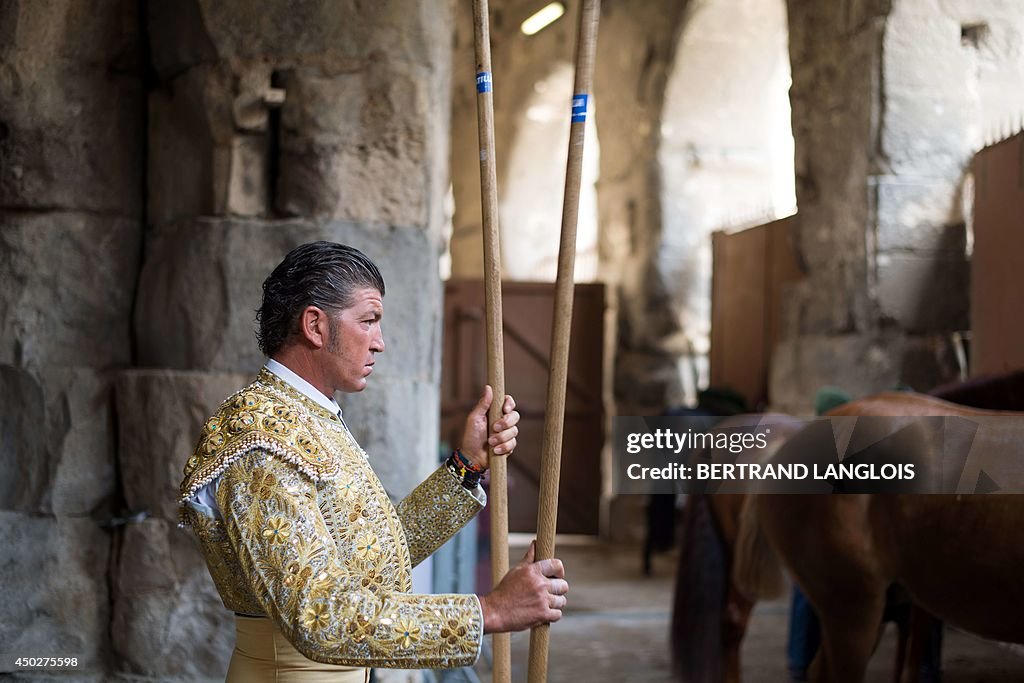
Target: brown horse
955, 555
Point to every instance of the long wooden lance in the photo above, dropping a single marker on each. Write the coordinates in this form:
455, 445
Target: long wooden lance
554, 416
498, 494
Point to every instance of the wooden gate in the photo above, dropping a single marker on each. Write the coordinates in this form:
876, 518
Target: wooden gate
751, 269
527, 309
997, 264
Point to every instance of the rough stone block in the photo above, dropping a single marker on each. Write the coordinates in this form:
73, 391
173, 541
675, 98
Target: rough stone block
159, 416
71, 106
202, 282
54, 574
237, 29
58, 442
178, 37
66, 287
363, 122
924, 294
917, 216
247, 177
190, 129
927, 134
354, 145
168, 619
829, 301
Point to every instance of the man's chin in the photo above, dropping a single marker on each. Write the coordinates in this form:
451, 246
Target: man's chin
355, 387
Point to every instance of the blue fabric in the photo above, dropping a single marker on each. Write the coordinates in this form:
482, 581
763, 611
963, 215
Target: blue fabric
804, 636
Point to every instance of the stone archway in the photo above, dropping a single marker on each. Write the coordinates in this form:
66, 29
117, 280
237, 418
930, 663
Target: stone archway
531, 201
726, 153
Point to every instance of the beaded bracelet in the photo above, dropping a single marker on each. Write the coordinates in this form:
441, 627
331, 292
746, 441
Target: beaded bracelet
468, 478
466, 462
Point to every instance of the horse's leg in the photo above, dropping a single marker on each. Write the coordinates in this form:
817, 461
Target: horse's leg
922, 626
850, 626
903, 635
737, 615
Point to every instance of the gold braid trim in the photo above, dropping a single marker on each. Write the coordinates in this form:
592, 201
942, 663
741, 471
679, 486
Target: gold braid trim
265, 415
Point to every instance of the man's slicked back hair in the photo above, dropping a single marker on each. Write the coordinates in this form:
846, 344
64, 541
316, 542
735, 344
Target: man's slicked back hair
322, 274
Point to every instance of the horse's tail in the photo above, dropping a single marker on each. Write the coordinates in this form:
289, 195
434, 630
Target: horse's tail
702, 579
757, 571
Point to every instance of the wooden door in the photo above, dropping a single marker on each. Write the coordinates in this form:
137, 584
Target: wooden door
751, 270
997, 264
527, 309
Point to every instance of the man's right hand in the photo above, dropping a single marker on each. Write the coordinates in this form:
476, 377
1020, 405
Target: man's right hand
531, 594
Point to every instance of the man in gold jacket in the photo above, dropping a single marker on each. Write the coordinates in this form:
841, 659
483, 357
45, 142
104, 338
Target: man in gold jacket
299, 535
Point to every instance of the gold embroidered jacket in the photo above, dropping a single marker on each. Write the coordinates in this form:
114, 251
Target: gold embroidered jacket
308, 537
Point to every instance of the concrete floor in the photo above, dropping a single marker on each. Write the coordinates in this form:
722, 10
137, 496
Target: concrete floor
616, 629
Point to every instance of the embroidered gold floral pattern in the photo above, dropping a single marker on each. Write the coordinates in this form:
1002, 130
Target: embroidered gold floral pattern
277, 530
408, 632
371, 580
316, 617
241, 421
346, 485
367, 546
320, 548
263, 486
428, 511
360, 628
298, 576
455, 633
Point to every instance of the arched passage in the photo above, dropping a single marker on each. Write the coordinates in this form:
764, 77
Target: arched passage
531, 199
726, 154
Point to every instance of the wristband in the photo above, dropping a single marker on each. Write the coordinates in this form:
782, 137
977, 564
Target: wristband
467, 464
468, 478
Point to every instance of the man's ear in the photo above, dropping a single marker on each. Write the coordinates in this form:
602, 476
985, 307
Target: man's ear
314, 326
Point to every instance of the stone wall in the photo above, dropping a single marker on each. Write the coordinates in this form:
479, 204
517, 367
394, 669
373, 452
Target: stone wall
71, 122
158, 159
890, 100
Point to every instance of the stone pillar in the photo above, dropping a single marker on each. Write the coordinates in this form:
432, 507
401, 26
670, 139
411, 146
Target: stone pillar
636, 46
836, 101
70, 196
889, 102
274, 124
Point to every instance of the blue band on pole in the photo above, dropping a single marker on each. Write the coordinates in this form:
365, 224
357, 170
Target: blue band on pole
483, 81
579, 108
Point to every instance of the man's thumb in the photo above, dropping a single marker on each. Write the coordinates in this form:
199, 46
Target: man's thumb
531, 552
485, 400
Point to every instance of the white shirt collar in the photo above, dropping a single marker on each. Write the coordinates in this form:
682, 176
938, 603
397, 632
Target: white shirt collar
303, 387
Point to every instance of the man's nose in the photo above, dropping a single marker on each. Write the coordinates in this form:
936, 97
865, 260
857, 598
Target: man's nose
378, 342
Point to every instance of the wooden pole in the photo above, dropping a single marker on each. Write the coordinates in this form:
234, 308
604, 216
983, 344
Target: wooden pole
498, 498
554, 416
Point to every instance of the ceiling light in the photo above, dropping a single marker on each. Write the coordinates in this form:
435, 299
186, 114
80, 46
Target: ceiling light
542, 18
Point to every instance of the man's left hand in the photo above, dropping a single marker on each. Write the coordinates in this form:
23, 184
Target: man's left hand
501, 436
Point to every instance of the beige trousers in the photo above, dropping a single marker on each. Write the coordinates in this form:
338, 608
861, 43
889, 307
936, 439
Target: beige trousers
263, 655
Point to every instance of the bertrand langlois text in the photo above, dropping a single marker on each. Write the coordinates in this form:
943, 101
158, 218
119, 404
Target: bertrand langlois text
782, 472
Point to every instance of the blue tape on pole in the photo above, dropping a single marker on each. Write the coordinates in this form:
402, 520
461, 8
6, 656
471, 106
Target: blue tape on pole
483, 81
579, 108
